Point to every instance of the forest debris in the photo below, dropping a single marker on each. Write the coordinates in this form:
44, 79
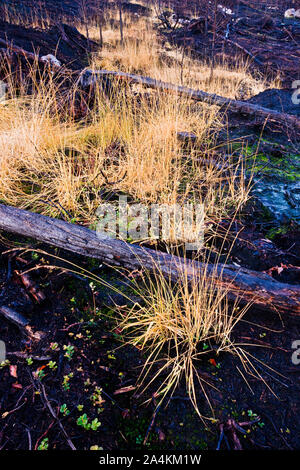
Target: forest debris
130, 388
198, 26
46, 401
230, 429
14, 317
22, 355
13, 371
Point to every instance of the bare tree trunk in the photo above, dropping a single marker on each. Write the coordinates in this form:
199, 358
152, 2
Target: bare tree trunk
213, 43
100, 33
101, 15
84, 14
121, 22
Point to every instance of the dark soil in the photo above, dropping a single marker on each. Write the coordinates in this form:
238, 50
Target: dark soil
53, 8
258, 33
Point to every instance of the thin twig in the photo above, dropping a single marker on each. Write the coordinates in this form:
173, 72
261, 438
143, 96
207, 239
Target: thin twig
41, 387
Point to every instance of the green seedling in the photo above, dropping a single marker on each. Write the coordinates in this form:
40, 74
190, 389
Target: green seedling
39, 374
66, 384
64, 410
52, 365
44, 444
83, 421
69, 351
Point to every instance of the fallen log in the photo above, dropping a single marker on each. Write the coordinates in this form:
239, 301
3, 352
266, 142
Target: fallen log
19, 50
90, 77
250, 286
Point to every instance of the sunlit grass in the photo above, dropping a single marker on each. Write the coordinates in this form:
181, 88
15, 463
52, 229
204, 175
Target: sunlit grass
179, 326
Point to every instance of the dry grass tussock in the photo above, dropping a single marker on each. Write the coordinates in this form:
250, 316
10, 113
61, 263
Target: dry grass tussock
178, 326
131, 140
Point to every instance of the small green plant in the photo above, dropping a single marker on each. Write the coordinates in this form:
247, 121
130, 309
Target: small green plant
34, 256
251, 414
44, 445
66, 384
64, 410
54, 346
80, 407
96, 397
111, 356
95, 424
52, 365
96, 447
92, 286
4, 363
83, 421
69, 351
29, 361
39, 374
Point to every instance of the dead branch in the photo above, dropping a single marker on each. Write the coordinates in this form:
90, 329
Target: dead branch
31, 286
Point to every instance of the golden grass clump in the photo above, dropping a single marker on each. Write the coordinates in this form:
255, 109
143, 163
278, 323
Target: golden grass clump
142, 52
178, 326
